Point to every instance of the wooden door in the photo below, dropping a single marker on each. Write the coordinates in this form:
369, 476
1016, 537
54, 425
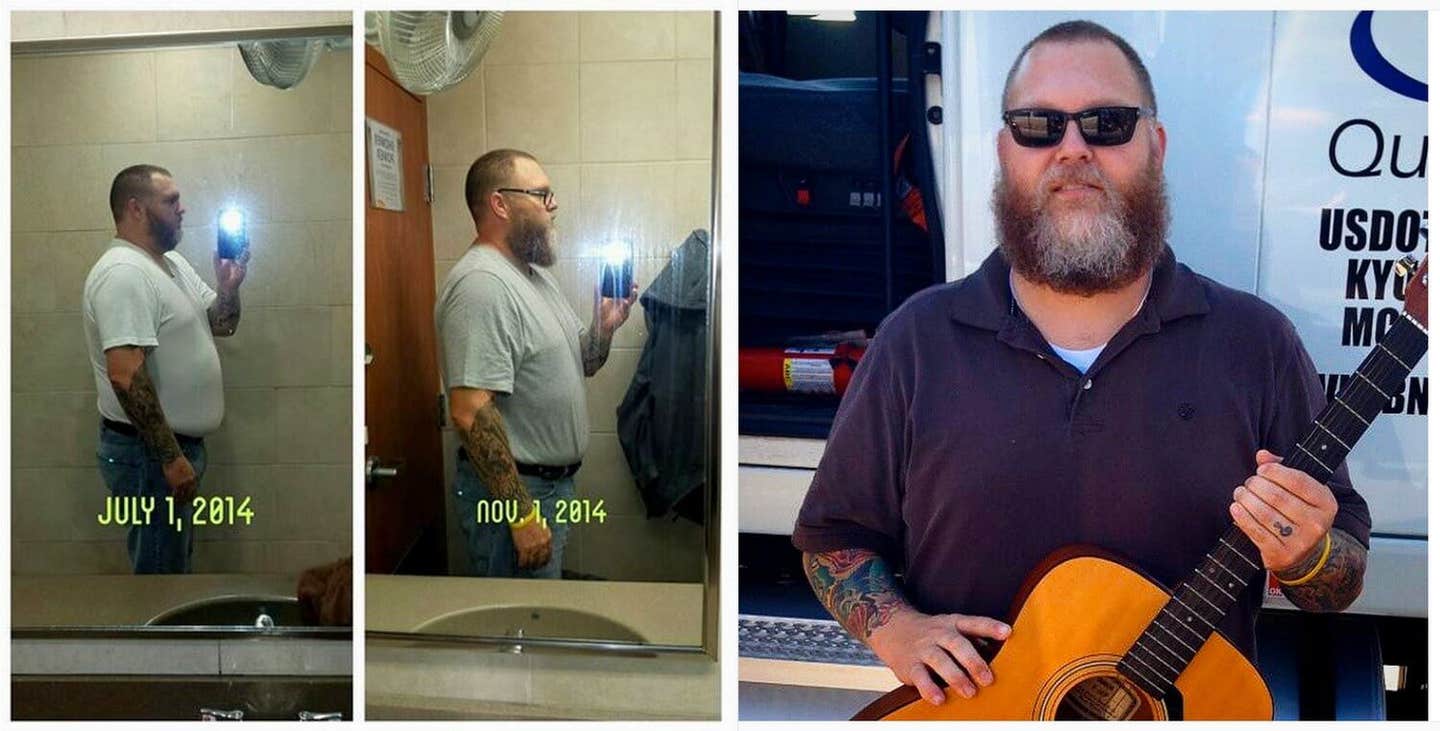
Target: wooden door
402, 380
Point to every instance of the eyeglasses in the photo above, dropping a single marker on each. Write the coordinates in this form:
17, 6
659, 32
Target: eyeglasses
1099, 126
546, 196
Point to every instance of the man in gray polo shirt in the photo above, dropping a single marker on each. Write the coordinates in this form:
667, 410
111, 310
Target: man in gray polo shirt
1081, 387
515, 357
150, 324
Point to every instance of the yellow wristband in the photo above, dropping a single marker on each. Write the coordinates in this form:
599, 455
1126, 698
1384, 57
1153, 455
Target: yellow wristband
527, 520
1324, 556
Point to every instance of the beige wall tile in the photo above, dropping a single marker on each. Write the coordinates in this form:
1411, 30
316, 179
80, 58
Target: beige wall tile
49, 353
337, 257
293, 557
299, 178
450, 219
342, 346
536, 37
455, 122
638, 549
69, 558
247, 435
33, 25
312, 503
197, 98
604, 390
307, 108
606, 475
230, 557
695, 114
692, 198
83, 99
278, 347
52, 503
628, 111
206, 172
535, 109
314, 426
255, 482
694, 34
60, 188
55, 429
627, 202
48, 270
632, 36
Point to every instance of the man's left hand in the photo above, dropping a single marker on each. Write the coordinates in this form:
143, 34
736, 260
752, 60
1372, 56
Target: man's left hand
1285, 512
611, 312
229, 273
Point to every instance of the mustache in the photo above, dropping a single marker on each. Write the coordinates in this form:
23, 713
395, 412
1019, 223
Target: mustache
1059, 176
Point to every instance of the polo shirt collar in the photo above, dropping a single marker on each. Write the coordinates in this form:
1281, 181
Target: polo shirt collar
983, 299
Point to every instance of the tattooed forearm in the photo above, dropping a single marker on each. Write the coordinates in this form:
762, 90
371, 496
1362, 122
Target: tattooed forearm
142, 405
1339, 581
225, 313
594, 349
489, 450
856, 586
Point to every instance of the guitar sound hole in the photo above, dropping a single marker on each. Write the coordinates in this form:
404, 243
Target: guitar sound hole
1103, 698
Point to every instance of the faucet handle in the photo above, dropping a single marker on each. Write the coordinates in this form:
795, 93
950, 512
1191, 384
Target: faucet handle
216, 714
313, 716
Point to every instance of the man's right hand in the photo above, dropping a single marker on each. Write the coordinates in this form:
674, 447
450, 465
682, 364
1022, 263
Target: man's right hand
180, 475
912, 644
532, 544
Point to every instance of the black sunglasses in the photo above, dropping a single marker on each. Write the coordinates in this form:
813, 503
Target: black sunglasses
1099, 126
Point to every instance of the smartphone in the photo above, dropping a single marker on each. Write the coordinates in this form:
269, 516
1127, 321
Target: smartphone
617, 279
233, 239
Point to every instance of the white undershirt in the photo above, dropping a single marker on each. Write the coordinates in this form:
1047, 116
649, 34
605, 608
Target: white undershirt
1083, 359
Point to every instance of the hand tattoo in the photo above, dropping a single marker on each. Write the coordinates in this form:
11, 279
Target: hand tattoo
489, 450
856, 586
1285, 531
1337, 584
142, 405
225, 314
594, 349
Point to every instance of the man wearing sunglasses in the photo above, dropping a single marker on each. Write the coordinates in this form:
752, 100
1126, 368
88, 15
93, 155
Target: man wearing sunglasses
1082, 387
515, 358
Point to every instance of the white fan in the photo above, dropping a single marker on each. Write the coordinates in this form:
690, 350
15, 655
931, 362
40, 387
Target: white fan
430, 51
281, 64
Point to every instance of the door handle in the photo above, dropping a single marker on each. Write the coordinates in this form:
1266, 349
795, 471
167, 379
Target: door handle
375, 471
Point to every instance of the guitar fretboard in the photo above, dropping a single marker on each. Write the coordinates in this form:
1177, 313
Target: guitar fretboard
1200, 601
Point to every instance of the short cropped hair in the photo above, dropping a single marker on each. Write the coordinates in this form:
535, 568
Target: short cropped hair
136, 181
1072, 31
489, 172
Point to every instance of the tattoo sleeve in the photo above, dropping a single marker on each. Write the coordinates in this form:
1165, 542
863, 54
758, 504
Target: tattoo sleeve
142, 405
489, 450
225, 314
594, 349
1339, 581
857, 586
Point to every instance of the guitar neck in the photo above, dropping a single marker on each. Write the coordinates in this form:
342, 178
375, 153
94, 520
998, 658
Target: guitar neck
1202, 600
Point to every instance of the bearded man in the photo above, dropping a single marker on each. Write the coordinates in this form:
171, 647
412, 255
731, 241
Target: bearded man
515, 357
150, 324
1082, 387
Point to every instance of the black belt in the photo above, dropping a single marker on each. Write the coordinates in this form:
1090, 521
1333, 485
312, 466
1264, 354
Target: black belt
121, 427
543, 471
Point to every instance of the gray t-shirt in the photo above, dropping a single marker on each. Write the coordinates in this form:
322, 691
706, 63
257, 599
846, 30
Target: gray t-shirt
130, 300
513, 333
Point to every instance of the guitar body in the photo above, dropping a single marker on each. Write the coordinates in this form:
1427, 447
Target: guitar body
1082, 613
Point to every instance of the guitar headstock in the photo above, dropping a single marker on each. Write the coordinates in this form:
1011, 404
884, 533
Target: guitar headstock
1417, 292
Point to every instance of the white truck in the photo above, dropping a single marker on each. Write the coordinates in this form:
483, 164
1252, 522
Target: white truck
1296, 169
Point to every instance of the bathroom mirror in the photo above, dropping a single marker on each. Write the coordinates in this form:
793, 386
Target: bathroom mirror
615, 112
266, 132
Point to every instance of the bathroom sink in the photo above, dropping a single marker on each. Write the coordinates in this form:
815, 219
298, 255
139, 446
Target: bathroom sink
245, 611
532, 623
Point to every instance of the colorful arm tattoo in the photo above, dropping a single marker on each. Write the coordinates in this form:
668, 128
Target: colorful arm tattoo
857, 586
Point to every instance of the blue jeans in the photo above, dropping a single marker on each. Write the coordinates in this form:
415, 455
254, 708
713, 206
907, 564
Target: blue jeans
130, 471
491, 549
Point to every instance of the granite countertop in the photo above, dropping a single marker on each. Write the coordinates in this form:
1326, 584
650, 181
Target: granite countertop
120, 599
664, 614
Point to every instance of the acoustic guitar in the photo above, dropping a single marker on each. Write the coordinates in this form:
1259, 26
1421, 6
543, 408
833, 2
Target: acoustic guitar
1094, 638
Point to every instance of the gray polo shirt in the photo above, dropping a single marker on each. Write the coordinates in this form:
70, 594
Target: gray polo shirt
965, 450
512, 332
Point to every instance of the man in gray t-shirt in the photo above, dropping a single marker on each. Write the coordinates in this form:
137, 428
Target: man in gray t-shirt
150, 323
515, 357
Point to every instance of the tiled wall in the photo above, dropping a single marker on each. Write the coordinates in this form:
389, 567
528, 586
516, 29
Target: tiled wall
617, 108
285, 157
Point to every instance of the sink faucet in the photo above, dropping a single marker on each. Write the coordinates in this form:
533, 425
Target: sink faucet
313, 716
216, 714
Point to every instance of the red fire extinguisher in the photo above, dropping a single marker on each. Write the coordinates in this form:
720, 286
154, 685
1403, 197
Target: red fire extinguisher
812, 369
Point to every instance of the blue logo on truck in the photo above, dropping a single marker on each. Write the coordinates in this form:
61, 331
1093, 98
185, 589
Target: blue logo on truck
1367, 55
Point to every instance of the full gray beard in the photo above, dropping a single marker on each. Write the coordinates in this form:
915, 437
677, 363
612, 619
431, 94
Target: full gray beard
1083, 250
533, 241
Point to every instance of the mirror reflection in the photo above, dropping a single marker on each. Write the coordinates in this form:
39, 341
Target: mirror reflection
568, 247
181, 292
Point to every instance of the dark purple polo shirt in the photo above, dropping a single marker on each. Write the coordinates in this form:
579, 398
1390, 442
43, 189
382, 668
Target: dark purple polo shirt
965, 450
